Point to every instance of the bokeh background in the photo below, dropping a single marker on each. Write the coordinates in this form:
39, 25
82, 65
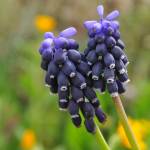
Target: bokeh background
29, 115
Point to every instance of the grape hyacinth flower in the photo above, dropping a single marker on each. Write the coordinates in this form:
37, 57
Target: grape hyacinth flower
74, 76
105, 53
68, 74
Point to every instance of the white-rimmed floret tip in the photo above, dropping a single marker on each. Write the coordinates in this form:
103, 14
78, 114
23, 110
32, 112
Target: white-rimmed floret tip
80, 100
77, 121
53, 70
109, 75
94, 77
52, 76
118, 53
77, 94
112, 66
79, 81
72, 74
63, 81
120, 67
89, 63
97, 70
100, 57
89, 72
73, 109
51, 82
63, 99
63, 104
84, 68
109, 60
63, 88
110, 80
92, 57
83, 85
122, 71
69, 68
122, 56
90, 94
75, 116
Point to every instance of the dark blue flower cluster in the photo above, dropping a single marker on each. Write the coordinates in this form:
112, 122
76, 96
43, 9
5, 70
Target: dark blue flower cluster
75, 75
69, 75
105, 53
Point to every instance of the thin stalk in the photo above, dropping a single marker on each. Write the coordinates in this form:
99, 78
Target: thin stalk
100, 139
124, 120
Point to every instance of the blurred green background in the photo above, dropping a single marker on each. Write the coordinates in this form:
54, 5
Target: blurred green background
29, 115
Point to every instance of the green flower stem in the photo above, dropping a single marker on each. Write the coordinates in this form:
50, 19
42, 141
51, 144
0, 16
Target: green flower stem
125, 123
100, 139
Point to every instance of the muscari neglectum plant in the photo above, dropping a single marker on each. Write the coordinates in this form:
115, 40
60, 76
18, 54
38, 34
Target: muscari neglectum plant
74, 76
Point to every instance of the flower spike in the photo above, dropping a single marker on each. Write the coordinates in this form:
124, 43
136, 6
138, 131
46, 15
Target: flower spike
68, 72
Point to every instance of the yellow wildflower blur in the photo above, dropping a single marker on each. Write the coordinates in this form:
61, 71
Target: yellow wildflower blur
28, 140
45, 23
140, 130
